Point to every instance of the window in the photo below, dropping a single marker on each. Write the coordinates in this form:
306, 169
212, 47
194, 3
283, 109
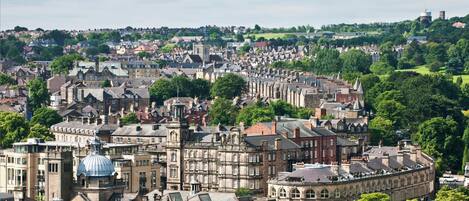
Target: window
173, 172
310, 194
337, 193
273, 192
53, 167
282, 193
126, 180
153, 179
173, 157
295, 193
324, 194
332, 142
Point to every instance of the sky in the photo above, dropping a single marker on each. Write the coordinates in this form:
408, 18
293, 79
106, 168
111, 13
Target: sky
91, 14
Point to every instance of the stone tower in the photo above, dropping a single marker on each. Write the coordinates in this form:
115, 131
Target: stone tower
178, 132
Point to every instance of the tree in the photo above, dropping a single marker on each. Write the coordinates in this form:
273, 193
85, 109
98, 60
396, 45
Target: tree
229, 86
374, 197
465, 140
19, 29
161, 90
448, 194
382, 131
253, 114
144, 54
13, 128
106, 83
182, 86
356, 61
46, 117
327, 61
392, 110
381, 68
92, 51
439, 138
200, 88
41, 132
62, 64
387, 54
38, 95
222, 112
458, 55
257, 27
6, 79
103, 48
243, 192
130, 118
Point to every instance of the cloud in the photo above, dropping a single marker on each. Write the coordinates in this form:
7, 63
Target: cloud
86, 14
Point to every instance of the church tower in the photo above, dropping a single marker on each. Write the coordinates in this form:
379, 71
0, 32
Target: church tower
178, 132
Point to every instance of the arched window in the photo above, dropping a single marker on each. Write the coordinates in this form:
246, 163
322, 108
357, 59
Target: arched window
337, 193
324, 194
295, 193
282, 193
273, 192
310, 194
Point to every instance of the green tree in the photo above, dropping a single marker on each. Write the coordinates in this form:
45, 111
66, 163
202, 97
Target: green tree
6, 79
143, 55
130, 118
13, 128
228, 86
381, 68
374, 197
162, 90
200, 88
243, 192
458, 55
382, 131
327, 61
103, 48
41, 132
253, 114
223, 112
106, 83
62, 64
448, 194
465, 140
38, 95
439, 138
46, 117
182, 85
92, 51
356, 61
392, 110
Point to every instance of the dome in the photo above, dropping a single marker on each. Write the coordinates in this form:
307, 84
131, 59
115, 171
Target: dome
95, 165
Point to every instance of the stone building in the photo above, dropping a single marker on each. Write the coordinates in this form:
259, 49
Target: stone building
142, 69
403, 172
224, 159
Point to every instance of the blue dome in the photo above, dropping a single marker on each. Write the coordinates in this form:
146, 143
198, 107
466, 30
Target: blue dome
95, 165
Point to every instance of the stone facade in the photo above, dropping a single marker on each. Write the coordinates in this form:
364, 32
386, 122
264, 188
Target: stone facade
403, 172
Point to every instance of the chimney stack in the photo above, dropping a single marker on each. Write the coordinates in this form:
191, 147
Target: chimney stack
296, 133
278, 144
274, 127
385, 159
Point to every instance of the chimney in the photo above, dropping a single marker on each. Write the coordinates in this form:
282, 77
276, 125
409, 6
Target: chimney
314, 122
89, 120
296, 133
385, 159
345, 167
285, 134
83, 120
278, 144
400, 158
274, 127
264, 144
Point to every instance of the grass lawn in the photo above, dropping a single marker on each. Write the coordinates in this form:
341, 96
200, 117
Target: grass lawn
424, 71
268, 35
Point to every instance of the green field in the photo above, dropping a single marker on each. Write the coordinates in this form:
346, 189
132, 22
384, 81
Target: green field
424, 71
268, 36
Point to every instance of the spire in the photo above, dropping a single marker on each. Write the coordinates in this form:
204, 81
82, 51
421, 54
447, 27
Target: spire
356, 105
355, 85
360, 88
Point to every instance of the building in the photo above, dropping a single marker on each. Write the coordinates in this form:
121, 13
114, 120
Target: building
442, 15
223, 159
425, 18
48, 170
142, 69
403, 172
97, 71
96, 178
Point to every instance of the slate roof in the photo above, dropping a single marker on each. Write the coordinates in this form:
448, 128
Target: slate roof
146, 130
270, 139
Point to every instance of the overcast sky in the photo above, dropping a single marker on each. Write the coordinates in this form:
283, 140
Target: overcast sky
86, 14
